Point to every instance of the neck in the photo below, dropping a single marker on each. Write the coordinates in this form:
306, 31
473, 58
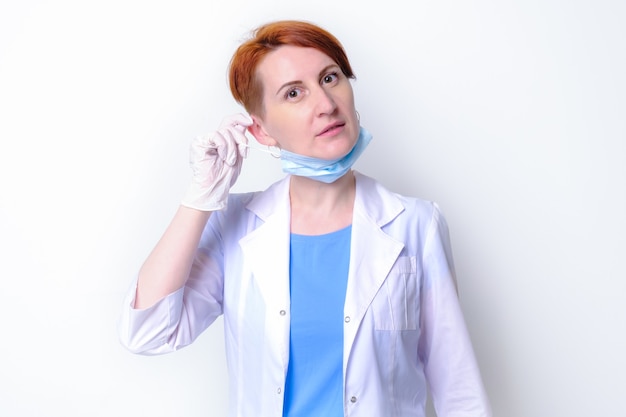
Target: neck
317, 207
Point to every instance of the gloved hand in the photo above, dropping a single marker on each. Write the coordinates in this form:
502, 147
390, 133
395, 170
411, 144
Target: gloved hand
216, 161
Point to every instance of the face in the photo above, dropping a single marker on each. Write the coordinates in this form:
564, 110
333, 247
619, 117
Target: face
308, 104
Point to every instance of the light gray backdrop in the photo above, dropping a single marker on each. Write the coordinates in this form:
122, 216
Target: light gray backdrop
510, 114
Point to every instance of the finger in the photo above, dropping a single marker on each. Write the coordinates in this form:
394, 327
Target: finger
226, 147
200, 146
239, 120
243, 150
199, 142
241, 140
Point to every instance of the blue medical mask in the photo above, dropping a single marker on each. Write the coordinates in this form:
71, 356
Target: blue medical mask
324, 170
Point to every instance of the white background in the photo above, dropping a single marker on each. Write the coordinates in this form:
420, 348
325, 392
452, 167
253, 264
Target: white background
510, 114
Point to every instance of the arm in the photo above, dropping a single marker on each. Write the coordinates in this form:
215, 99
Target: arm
151, 321
167, 267
215, 161
445, 346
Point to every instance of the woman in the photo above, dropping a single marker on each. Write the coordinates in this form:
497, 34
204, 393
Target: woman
338, 296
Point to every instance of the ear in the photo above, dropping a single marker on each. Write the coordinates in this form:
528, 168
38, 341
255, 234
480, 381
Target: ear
259, 132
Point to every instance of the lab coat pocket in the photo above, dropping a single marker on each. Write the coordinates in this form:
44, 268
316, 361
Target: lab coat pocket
395, 304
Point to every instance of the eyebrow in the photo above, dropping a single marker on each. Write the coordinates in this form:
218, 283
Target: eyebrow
296, 82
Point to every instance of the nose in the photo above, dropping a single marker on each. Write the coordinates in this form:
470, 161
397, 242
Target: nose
325, 102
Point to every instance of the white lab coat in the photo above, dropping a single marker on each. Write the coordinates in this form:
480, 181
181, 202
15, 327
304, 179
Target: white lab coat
403, 326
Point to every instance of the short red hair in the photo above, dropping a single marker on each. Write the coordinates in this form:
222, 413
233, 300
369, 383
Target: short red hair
244, 84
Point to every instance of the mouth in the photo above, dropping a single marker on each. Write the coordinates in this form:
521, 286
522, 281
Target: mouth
332, 128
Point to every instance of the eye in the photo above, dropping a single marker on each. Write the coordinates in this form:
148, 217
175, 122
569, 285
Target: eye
292, 94
330, 78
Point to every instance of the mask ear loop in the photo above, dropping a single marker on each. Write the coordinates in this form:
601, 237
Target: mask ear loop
274, 151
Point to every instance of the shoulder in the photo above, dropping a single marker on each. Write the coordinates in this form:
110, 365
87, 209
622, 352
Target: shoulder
380, 198
246, 210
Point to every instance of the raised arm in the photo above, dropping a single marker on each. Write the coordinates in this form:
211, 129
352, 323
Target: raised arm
216, 161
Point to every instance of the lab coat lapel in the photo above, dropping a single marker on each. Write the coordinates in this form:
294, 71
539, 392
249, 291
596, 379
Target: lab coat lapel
373, 252
266, 249
266, 257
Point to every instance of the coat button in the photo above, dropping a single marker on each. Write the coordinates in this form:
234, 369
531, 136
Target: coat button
347, 319
280, 390
283, 312
353, 399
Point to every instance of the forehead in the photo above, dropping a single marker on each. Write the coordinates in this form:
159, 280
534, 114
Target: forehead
292, 63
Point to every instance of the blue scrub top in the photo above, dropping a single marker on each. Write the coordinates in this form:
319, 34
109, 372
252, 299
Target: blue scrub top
318, 280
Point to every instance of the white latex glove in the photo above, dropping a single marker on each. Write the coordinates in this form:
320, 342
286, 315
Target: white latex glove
216, 161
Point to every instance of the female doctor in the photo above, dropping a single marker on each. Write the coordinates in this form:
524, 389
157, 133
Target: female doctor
338, 296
